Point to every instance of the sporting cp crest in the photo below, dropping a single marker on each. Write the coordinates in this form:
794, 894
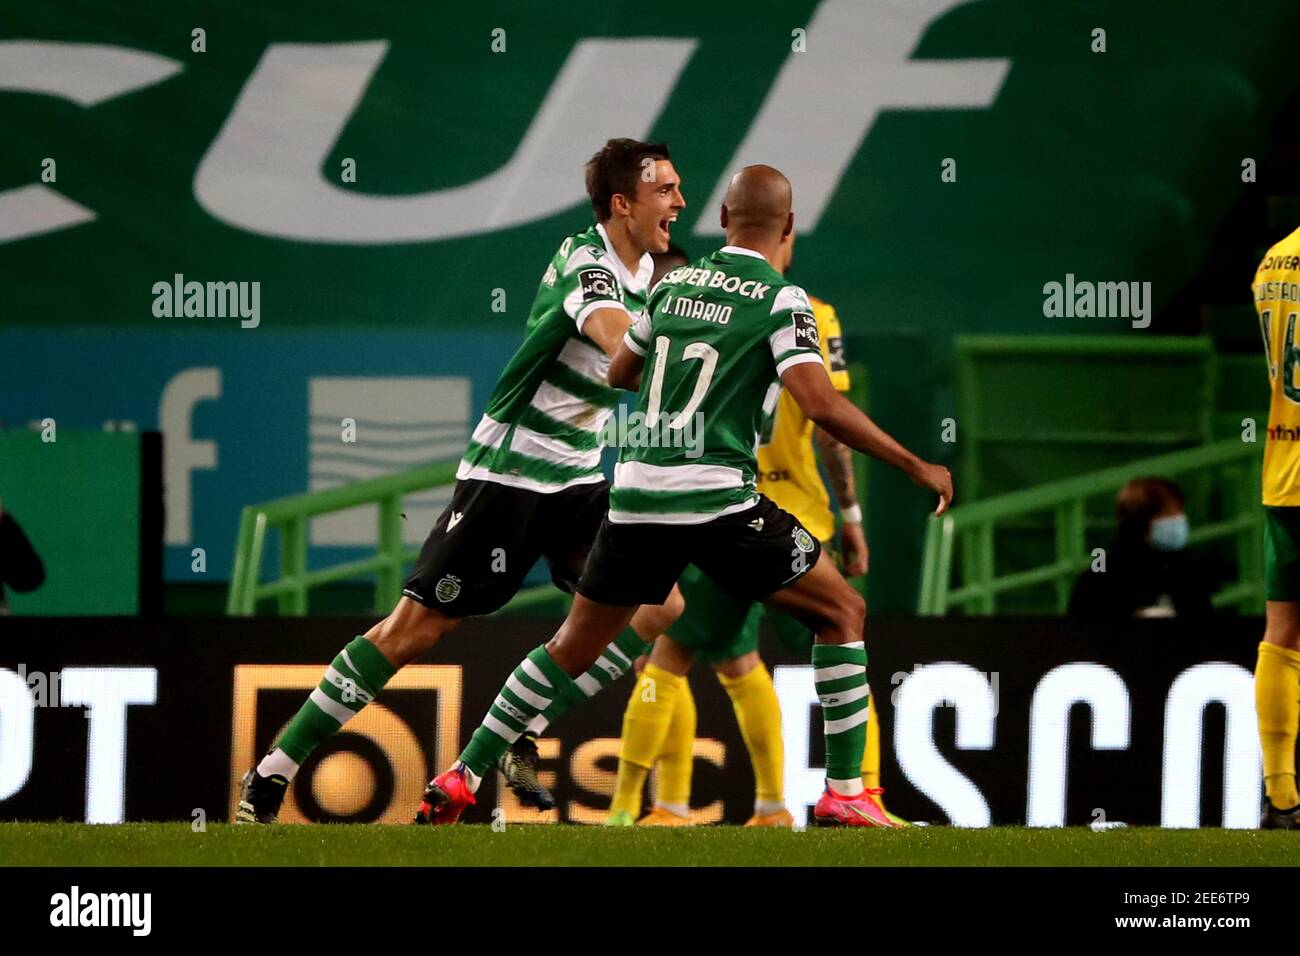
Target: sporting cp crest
448, 588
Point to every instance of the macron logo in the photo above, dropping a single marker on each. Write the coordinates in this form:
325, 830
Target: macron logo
454, 519
103, 909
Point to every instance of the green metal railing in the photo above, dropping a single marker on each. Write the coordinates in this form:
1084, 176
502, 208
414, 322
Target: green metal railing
290, 516
971, 527
1008, 443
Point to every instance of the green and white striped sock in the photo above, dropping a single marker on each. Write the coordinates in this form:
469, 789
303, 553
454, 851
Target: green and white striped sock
840, 676
614, 661
535, 684
353, 680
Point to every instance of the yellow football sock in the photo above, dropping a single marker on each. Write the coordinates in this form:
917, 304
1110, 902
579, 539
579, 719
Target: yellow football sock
753, 697
1277, 704
871, 753
677, 755
628, 788
645, 725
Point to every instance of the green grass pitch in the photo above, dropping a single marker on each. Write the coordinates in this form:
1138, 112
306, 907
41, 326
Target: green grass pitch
176, 844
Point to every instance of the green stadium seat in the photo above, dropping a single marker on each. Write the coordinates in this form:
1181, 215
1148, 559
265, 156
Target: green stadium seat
1033, 409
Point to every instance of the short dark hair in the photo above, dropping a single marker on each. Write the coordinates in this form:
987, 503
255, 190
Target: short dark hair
616, 169
1139, 501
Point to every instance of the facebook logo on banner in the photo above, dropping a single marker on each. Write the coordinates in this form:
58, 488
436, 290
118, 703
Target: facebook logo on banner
302, 412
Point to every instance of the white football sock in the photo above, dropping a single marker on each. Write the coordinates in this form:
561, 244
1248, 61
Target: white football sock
277, 761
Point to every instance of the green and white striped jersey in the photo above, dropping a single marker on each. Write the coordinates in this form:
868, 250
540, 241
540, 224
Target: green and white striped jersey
543, 422
717, 336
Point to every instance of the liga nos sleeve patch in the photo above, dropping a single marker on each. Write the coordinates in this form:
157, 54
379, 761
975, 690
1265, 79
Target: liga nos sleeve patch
598, 284
805, 331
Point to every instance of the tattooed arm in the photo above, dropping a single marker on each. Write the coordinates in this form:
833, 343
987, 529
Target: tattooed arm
838, 459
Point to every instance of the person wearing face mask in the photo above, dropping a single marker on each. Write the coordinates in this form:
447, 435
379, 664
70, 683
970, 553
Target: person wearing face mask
1148, 571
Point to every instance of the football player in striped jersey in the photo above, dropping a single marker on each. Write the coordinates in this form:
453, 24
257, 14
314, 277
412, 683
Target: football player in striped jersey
530, 484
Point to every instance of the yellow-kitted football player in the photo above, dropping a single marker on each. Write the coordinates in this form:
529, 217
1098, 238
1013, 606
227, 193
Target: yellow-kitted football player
1277, 671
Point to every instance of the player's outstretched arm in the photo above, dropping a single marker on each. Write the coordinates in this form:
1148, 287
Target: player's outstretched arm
811, 388
838, 459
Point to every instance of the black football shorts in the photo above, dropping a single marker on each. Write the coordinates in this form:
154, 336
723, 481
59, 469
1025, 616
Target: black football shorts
491, 535
750, 554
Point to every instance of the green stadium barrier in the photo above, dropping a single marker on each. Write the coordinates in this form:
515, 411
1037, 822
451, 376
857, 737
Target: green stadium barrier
290, 516
1035, 409
972, 527
1240, 393
1021, 419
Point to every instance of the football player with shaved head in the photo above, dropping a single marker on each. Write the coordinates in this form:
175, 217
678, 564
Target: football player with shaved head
720, 337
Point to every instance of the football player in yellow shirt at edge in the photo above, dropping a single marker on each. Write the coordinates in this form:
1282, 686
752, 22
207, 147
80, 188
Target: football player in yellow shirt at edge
659, 722
1277, 671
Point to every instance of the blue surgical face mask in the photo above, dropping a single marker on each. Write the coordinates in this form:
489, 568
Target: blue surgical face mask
1169, 534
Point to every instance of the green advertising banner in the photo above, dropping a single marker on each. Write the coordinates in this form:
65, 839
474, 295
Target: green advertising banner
395, 164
